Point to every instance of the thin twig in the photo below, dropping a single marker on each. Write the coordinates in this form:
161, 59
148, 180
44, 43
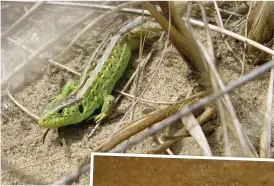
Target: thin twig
182, 38
218, 101
218, 14
241, 81
21, 106
241, 21
232, 34
228, 103
144, 62
126, 85
145, 100
191, 124
214, 74
136, 80
246, 25
130, 129
169, 109
150, 80
45, 134
241, 136
236, 57
220, 23
110, 24
48, 60
22, 18
94, 129
230, 15
97, 7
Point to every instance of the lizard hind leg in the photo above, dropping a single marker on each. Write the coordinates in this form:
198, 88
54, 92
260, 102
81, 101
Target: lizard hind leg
107, 107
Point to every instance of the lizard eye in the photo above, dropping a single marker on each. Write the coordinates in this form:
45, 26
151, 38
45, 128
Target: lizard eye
60, 111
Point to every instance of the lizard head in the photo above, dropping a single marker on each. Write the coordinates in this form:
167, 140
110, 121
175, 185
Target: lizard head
62, 112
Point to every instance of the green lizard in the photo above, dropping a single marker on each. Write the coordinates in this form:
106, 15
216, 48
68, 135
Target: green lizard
79, 100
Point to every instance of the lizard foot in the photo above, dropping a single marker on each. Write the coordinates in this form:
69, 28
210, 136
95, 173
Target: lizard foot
100, 117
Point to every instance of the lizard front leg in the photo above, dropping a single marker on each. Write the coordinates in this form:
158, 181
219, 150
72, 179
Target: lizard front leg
67, 89
107, 107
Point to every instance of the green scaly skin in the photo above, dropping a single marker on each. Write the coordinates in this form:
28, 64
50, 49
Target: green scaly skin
66, 109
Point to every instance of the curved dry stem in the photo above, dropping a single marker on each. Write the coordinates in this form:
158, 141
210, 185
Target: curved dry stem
136, 80
226, 100
145, 100
48, 60
99, 7
136, 126
183, 42
143, 64
147, 85
21, 106
232, 34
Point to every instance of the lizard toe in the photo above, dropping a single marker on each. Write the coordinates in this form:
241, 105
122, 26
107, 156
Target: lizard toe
99, 118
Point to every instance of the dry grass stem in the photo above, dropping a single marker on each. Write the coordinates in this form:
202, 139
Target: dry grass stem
145, 100
98, 7
21, 106
233, 35
48, 60
182, 40
140, 124
150, 80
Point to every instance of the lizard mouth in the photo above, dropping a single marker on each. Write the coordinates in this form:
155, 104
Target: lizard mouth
46, 121
42, 122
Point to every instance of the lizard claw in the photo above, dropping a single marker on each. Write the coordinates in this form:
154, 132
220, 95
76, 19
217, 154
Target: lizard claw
99, 118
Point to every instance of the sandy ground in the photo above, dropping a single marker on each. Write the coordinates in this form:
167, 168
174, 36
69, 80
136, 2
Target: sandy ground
21, 145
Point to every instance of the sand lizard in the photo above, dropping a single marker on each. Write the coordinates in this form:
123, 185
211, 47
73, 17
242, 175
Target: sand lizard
79, 100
